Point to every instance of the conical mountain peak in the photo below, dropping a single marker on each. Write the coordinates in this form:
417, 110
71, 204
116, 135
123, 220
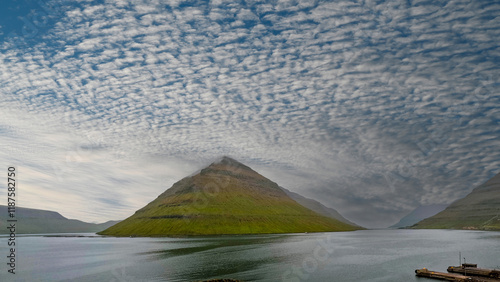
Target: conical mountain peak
227, 166
227, 159
230, 162
227, 197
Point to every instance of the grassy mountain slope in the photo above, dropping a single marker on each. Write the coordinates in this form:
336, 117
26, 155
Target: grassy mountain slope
35, 221
478, 210
225, 198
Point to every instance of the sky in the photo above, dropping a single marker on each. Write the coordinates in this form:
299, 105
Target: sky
370, 107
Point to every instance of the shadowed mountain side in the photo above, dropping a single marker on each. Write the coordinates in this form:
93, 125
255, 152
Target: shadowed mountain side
418, 214
34, 221
227, 197
317, 207
478, 210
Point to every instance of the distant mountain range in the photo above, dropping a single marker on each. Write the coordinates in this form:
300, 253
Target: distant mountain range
34, 221
478, 210
317, 207
419, 214
227, 197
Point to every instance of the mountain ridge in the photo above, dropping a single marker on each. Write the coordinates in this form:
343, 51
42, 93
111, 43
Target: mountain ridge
418, 214
37, 221
317, 207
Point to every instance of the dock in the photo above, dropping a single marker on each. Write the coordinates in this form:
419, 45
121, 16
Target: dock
424, 272
465, 272
472, 269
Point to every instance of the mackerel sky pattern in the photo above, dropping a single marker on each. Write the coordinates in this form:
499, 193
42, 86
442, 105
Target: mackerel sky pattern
371, 107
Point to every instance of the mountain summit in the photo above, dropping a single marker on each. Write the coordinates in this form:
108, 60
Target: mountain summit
227, 197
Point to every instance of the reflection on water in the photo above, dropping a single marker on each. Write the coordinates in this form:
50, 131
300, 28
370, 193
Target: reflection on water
368, 255
237, 243
224, 256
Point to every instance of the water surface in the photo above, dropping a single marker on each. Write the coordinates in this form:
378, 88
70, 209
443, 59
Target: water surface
368, 255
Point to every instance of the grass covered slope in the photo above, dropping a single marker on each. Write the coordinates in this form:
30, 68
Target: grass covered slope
478, 210
225, 198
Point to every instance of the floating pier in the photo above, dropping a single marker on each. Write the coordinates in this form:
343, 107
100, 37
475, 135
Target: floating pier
472, 269
424, 272
466, 272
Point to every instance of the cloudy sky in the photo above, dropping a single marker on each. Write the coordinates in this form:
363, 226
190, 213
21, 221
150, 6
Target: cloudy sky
371, 107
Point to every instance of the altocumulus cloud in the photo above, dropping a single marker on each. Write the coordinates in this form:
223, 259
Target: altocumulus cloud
371, 107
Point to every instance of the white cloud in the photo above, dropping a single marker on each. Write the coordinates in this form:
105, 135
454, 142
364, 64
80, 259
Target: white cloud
338, 96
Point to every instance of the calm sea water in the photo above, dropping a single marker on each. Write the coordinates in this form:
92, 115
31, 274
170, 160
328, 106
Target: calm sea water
369, 255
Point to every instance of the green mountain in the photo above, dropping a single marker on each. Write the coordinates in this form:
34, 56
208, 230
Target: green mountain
34, 221
478, 210
227, 197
